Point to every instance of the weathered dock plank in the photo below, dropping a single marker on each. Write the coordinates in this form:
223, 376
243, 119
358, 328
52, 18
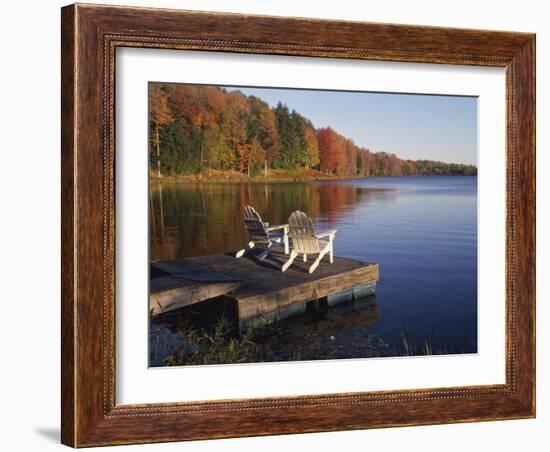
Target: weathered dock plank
263, 293
167, 293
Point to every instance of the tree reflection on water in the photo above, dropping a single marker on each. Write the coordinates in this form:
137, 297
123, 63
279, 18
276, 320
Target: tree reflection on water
195, 220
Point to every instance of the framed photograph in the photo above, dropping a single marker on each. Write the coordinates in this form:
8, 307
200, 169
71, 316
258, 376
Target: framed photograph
281, 225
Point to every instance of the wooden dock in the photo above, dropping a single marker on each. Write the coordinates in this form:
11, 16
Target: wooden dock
262, 293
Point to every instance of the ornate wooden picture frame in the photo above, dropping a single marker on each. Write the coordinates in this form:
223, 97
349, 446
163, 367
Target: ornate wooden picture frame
90, 37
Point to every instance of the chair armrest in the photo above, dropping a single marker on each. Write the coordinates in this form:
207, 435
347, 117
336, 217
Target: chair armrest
332, 233
277, 227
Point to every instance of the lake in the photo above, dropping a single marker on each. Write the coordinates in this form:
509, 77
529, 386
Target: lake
422, 231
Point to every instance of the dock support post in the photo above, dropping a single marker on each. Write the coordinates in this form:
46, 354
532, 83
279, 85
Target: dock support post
317, 306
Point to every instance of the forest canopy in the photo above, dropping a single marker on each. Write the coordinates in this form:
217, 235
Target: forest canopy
194, 128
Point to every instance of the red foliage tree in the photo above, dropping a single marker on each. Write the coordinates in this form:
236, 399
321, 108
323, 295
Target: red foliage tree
328, 149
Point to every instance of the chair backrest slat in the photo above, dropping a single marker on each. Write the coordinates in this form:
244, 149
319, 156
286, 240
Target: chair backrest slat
255, 227
302, 233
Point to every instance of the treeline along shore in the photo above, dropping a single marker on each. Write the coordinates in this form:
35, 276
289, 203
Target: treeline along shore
212, 133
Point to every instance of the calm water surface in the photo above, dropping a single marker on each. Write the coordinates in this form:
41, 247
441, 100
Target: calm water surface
422, 231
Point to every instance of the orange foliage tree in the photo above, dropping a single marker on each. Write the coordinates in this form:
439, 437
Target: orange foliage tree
159, 115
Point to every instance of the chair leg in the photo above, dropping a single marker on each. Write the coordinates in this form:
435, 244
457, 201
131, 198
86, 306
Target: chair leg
318, 260
314, 266
242, 252
285, 242
331, 252
305, 257
288, 263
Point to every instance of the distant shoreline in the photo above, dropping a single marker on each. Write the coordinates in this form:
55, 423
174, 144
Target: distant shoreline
218, 177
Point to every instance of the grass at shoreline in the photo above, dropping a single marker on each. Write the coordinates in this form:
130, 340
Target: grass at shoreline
209, 177
220, 345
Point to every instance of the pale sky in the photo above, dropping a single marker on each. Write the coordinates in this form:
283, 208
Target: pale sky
412, 126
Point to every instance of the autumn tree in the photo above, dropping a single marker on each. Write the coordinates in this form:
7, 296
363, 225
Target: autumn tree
250, 156
234, 122
350, 153
341, 158
185, 105
312, 145
159, 116
365, 162
328, 149
263, 128
269, 136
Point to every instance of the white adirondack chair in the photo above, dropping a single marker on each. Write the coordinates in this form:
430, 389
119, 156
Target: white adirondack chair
305, 241
262, 235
